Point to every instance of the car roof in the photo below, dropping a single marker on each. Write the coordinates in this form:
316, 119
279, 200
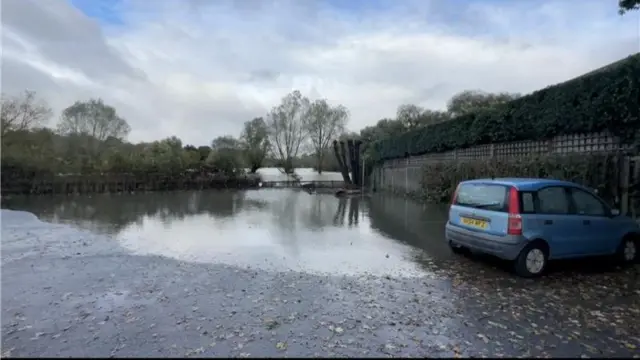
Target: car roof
524, 183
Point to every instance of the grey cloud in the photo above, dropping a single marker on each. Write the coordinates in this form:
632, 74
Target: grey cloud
18, 76
63, 35
263, 75
214, 64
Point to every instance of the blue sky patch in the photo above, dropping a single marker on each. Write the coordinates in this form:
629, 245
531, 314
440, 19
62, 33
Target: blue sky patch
105, 11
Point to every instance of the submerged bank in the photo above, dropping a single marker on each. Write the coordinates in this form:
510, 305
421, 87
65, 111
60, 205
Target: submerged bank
71, 292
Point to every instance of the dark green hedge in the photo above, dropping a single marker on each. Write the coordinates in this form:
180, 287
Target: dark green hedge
605, 99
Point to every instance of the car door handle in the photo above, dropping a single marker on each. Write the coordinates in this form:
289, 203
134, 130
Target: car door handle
548, 222
586, 222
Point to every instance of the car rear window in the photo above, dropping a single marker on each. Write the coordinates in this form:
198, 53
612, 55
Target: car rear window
483, 196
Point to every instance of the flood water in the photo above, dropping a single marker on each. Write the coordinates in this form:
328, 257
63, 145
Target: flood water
306, 174
279, 229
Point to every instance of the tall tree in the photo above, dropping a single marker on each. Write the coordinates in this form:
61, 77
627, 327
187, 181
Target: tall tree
255, 142
89, 124
324, 123
413, 116
430, 117
409, 115
628, 5
226, 142
471, 100
93, 118
287, 130
22, 112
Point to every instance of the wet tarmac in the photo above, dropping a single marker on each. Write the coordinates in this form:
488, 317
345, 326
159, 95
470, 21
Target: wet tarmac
281, 273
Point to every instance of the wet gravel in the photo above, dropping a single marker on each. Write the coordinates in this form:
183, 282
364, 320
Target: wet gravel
68, 292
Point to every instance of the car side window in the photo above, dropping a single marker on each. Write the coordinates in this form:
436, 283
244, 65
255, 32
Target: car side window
553, 200
528, 203
587, 204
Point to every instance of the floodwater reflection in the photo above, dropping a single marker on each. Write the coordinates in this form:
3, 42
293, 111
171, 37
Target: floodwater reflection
272, 228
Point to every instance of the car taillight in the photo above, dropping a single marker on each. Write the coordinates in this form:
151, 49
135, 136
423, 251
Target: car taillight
455, 195
515, 220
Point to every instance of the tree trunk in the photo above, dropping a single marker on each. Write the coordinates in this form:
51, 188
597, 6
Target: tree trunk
320, 157
359, 172
341, 165
352, 162
345, 161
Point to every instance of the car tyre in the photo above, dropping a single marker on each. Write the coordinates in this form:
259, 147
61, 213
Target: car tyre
456, 249
532, 260
627, 253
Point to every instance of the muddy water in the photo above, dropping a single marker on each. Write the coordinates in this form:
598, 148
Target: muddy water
269, 229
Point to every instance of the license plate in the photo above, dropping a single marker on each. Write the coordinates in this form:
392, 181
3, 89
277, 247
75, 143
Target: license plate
475, 222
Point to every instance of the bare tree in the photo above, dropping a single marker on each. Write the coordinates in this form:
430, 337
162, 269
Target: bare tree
324, 124
287, 130
23, 112
93, 118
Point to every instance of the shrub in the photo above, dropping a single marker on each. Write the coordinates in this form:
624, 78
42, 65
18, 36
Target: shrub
595, 171
605, 99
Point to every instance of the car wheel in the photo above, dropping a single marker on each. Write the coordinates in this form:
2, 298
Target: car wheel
456, 249
532, 260
628, 250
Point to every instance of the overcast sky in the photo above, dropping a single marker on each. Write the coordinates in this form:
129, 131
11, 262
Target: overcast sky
198, 69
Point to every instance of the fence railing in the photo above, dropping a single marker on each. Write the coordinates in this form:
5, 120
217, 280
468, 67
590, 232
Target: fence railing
325, 184
566, 144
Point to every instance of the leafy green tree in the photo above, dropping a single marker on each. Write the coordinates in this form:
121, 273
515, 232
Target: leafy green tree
90, 124
93, 118
226, 155
469, 101
628, 5
255, 143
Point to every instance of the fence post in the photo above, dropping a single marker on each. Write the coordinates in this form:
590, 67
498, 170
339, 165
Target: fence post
550, 146
491, 151
406, 175
625, 173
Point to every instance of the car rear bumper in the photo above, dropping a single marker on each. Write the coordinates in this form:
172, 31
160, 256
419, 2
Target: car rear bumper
505, 247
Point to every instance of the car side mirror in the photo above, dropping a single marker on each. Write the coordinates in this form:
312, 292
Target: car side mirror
615, 212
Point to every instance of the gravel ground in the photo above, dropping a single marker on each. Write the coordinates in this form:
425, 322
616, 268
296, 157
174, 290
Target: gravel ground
68, 292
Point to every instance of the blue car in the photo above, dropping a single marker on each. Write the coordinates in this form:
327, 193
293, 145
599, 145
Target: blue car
532, 221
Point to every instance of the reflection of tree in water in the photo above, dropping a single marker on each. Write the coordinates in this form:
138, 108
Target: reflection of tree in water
113, 212
415, 224
354, 206
338, 218
285, 211
341, 210
314, 212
